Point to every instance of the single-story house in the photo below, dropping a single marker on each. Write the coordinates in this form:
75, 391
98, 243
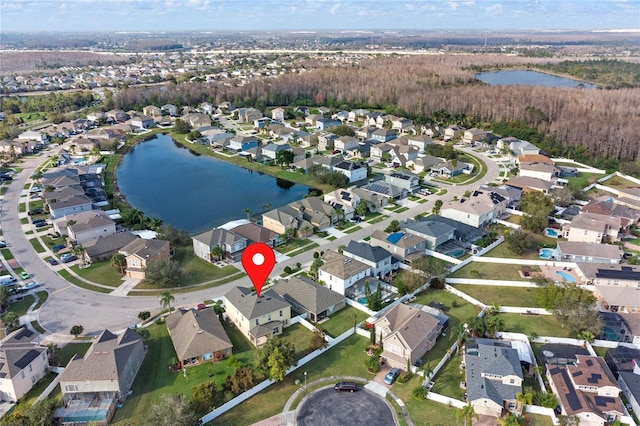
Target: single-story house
310, 298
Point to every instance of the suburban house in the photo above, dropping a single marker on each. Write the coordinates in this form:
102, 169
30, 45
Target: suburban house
140, 252
407, 334
277, 114
478, 210
198, 336
629, 214
404, 180
450, 168
384, 135
315, 211
353, 171
310, 298
385, 190
629, 382
170, 109
242, 143
404, 245
271, 150
422, 164
23, 364
258, 318
248, 115
420, 141
528, 183
577, 251
324, 123
326, 141
493, 377
377, 258
232, 244
257, 234
89, 226
587, 390
59, 207
285, 219
340, 272
539, 170
517, 147
473, 135
344, 200
106, 246
453, 132
357, 115
401, 124
592, 228
374, 200
142, 121
615, 286
93, 384
344, 143
434, 233
197, 120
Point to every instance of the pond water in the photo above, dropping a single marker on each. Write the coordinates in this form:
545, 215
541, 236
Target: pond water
530, 78
195, 192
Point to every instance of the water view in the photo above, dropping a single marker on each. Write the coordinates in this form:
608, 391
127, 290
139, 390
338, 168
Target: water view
195, 192
530, 78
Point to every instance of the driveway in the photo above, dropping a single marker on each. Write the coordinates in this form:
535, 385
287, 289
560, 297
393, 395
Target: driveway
327, 407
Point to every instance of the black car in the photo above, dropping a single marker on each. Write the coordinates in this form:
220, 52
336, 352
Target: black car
52, 261
346, 387
40, 224
35, 212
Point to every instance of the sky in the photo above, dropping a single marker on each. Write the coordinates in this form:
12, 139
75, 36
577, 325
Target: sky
211, 15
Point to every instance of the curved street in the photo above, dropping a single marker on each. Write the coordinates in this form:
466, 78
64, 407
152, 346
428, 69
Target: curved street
69, 305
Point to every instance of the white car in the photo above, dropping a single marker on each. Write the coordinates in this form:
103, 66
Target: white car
31, 285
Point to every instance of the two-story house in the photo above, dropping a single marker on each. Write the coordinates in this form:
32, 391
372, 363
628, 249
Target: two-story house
258, 318
615, 286
340, 272
242, 143
344, 143
404, 245
435, 233
22, 364
384, 135
88, 226
232, 244
140, 252
473, 135
344, 200
353, 171
478, 210
587, 390
378, 258
592, 228
405, 180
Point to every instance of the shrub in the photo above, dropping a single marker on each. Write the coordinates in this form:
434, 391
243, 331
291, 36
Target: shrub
372, 363
419, 392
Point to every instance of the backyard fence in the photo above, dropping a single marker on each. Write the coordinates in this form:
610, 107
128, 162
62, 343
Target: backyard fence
442, 399
495, 283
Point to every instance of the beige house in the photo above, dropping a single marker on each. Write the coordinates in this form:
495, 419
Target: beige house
89, 226
286, 218
258, 318
405, 245
587, 390
23, 364
592, 228
140, 252
198, 336
615, 286
407, 334
539, 170
92, 385
478, 210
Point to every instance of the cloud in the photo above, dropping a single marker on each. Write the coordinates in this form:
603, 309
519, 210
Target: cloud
334, 8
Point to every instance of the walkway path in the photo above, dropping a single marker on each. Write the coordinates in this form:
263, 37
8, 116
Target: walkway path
125, 287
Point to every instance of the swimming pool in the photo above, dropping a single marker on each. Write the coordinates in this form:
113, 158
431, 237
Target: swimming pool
546, 253
550, 232
455, 253
566, 277
362, 301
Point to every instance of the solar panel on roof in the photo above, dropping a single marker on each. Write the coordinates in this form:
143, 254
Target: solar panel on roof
602, 401
574, 401
395, 237
594, 378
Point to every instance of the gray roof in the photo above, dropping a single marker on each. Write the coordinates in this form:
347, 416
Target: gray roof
349, 165
18, 352
308, 294
409, 324
632, 381
432, 228
105, 359
255, 233
90, 220
384, 188
74, 200
367, 251
462, 230
109, 243
144, 248
218, 237
579, 248
195, 333
491, 359
251, 306
341, 266
64, 192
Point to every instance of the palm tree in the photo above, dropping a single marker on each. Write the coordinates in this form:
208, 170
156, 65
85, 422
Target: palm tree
119, 261
525, 398
217, 252
587, 336
511, 420
266, 206
156, 223
165, 299
247, 211
459, 334
467, 414
436, 207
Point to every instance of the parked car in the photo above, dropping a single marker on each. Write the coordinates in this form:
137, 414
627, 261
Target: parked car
201, 306
355, 219
25, 275
3, 244
391, 376
58, 247
346, 387
66, 258
41, 224
52, 261
34, 221
31, 285
35, 211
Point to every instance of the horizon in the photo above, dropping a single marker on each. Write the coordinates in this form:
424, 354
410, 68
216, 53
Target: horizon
147, 16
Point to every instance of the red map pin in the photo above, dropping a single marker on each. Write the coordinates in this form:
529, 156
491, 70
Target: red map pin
258, 260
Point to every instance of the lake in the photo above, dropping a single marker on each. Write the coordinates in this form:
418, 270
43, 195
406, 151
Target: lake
530, 78
195, 192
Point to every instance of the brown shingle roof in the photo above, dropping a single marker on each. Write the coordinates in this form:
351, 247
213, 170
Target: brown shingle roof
195, 333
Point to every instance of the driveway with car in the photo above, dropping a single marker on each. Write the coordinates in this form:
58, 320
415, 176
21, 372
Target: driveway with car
327, 407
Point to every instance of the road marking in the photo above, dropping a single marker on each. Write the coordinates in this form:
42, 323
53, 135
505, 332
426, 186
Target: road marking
62, 289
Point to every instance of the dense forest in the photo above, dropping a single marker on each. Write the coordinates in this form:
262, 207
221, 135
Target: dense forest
589, 123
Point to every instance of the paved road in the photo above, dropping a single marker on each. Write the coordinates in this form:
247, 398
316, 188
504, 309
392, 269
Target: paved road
69, 305
328, 407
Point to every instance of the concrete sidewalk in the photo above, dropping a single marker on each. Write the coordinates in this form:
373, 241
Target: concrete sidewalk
125, 287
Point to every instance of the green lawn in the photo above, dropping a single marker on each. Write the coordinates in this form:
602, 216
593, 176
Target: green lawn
27, 400
461, 313
537, 241
6, 253
542, 325
620, 183
493, 271
352, 229
300, 337
585, 179
36, 245
292, 245
343, 320
43, 295
447, 382
50, 242
503, 296
21, 306
346, 358
67, 352
77, 282
101, 273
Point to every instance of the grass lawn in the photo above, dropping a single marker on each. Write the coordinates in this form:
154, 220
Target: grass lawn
197, 270
300, 337
377, 219
36, 245
538, 241
6, 253
77, 282
332, 237
424, 411
461, 313
353, 229
343, 320
494, 271
101, 273
620, 183
542, 325
503, 296
447, 382
37, 327
292, 245
585, 179
20, 307
67, 352
50, 242
302, 250
345, 359
27, 400
43, 295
